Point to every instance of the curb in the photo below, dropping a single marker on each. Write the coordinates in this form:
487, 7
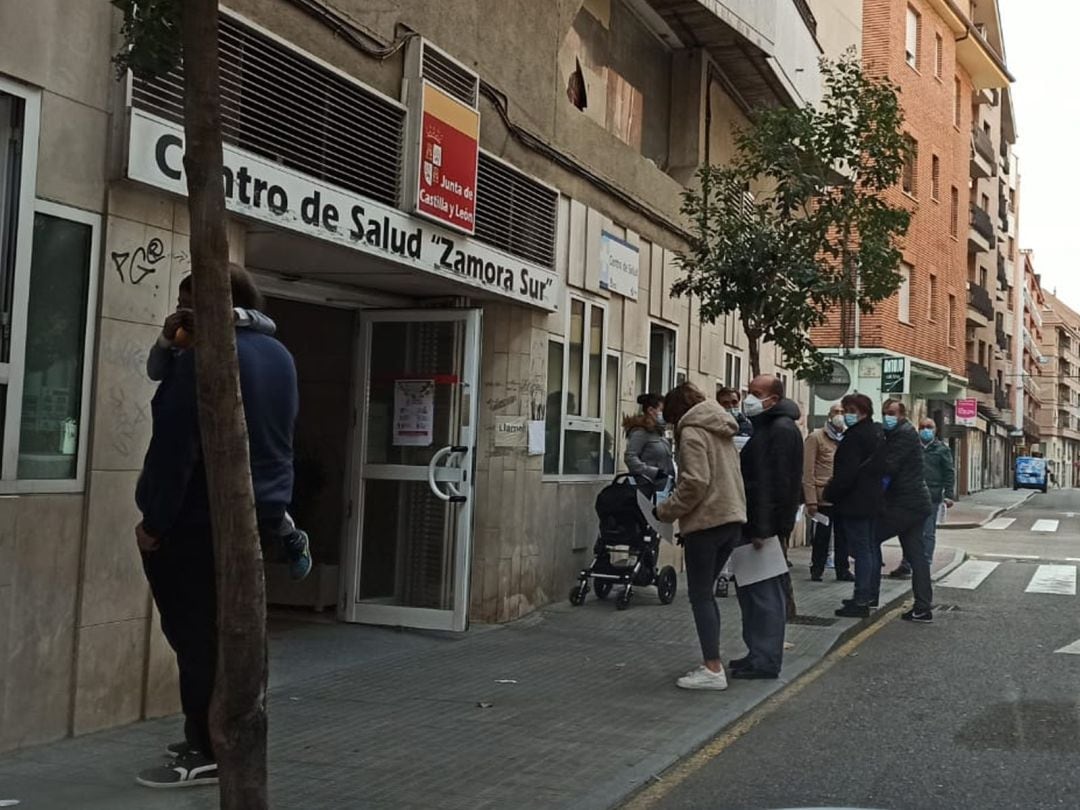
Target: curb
993, 515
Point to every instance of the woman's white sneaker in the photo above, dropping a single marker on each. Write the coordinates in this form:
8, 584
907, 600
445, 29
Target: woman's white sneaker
703, 678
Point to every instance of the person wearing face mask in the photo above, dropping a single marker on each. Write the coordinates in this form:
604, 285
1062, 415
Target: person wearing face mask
648, 453
819, 452
729, 401
940, 473
907, 503
855, 493
772, 463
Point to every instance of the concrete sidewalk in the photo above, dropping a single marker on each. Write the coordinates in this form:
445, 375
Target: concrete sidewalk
975, 511
569, 707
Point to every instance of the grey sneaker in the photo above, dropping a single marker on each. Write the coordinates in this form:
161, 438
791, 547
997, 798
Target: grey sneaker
178, 749
188, 770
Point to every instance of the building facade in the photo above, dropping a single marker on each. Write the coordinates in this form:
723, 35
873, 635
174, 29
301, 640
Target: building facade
1030, 361
467, 248
1059, 389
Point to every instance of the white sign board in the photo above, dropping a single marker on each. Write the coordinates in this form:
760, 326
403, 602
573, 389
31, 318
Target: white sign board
620, 266
269, 192
414, 413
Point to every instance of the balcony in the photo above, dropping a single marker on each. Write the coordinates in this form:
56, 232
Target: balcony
979, 301
983, 164
1004, 282
1001, 338
981, 232
1031, 428
1006, 163
979, 378
1001, 399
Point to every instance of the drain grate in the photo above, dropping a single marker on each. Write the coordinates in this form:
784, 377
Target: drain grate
946, 608
812, 621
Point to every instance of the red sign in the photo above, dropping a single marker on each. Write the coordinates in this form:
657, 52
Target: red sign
449, 158
967, 412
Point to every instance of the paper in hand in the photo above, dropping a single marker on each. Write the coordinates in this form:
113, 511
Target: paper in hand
750, 565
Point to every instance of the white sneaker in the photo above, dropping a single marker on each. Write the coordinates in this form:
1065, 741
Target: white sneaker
703, 678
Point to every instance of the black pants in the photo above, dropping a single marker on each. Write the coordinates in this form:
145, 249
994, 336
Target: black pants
909, 528
707, 552
182, 579
181, 575
820, 541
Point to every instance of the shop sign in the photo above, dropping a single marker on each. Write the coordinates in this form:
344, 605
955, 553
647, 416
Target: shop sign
266, 191
893, 373
620, 266
967, 412
449, 160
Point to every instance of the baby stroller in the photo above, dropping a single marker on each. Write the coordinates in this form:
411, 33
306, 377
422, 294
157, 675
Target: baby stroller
623, 528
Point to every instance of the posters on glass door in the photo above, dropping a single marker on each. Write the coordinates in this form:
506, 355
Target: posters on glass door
414, 413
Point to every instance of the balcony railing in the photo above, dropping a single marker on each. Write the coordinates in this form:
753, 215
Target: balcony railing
1002, 274
1001, 338
979, 378
1001, 398
979, 300
984, 145
981, 224
1006, 164
1031, 427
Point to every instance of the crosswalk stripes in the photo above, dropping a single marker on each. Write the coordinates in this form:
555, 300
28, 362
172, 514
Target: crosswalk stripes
1049, 578
1045, 526
1000, 525
1053, 579
970, 575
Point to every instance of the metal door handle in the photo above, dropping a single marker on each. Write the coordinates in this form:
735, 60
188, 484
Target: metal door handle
438, 456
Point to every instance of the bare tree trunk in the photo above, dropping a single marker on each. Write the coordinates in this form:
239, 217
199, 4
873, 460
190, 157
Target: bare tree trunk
238, 715
753, 340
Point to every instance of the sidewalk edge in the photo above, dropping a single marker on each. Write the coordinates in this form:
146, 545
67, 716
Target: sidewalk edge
992, 516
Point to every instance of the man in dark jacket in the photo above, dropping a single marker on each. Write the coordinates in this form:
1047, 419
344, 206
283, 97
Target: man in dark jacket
940, 473
772, 474
907, 503
174, 535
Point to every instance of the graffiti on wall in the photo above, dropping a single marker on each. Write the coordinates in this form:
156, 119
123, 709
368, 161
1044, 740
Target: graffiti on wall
134, 266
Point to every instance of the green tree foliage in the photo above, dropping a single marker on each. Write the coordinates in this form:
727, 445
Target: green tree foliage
798, 224
151, 32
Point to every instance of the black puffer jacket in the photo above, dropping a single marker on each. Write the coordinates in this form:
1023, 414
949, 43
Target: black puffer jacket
906, 495
772, 471
856, 489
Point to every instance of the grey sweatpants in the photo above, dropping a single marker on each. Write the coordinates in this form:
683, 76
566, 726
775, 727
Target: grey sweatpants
764, 615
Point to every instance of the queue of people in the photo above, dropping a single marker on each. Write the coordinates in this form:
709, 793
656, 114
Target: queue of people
861, 483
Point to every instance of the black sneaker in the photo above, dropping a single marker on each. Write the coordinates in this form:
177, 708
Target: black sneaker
816, 575
900, 572
847, 602
854, 611
178, 749
751, 674
739, 663
845, 576
190, 770
926, 617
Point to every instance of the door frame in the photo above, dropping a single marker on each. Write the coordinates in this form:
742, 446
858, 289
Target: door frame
349, 608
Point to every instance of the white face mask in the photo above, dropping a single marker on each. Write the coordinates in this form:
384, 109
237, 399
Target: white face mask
838, 422
753, 406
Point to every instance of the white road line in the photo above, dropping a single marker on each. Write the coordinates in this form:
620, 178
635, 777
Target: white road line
1045, 526
1072, 559
1012, 556
1000, 525
970, 575
1055, 579
1070, 649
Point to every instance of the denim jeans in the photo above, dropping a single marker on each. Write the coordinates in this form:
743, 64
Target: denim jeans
862, 542
822, 535
909, 529
929, 535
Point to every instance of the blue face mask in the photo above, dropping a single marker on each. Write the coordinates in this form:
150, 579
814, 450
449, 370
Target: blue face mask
659, 419
890, 422
927, 435
851, 419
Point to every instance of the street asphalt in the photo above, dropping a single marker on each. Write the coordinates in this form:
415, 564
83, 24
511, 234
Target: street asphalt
975, 711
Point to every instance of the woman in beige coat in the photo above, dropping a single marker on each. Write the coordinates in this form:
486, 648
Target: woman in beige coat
710, 504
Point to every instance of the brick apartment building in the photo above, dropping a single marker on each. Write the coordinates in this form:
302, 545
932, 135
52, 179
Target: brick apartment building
1059, 387
914, 344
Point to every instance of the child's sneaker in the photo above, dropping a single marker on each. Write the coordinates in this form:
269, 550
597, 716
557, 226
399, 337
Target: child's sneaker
300, 564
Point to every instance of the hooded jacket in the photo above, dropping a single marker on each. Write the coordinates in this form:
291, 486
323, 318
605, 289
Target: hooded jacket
709, 491
648, 453
772, 464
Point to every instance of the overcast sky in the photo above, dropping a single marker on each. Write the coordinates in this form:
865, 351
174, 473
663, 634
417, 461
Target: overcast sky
1040, 48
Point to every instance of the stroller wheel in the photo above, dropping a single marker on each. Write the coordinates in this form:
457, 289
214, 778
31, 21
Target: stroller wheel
623, 602
667, 583
603, 588
578, 593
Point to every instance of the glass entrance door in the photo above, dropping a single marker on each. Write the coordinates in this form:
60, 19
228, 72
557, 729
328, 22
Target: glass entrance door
413, 525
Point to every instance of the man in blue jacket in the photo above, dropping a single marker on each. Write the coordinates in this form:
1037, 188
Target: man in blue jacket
174, 535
